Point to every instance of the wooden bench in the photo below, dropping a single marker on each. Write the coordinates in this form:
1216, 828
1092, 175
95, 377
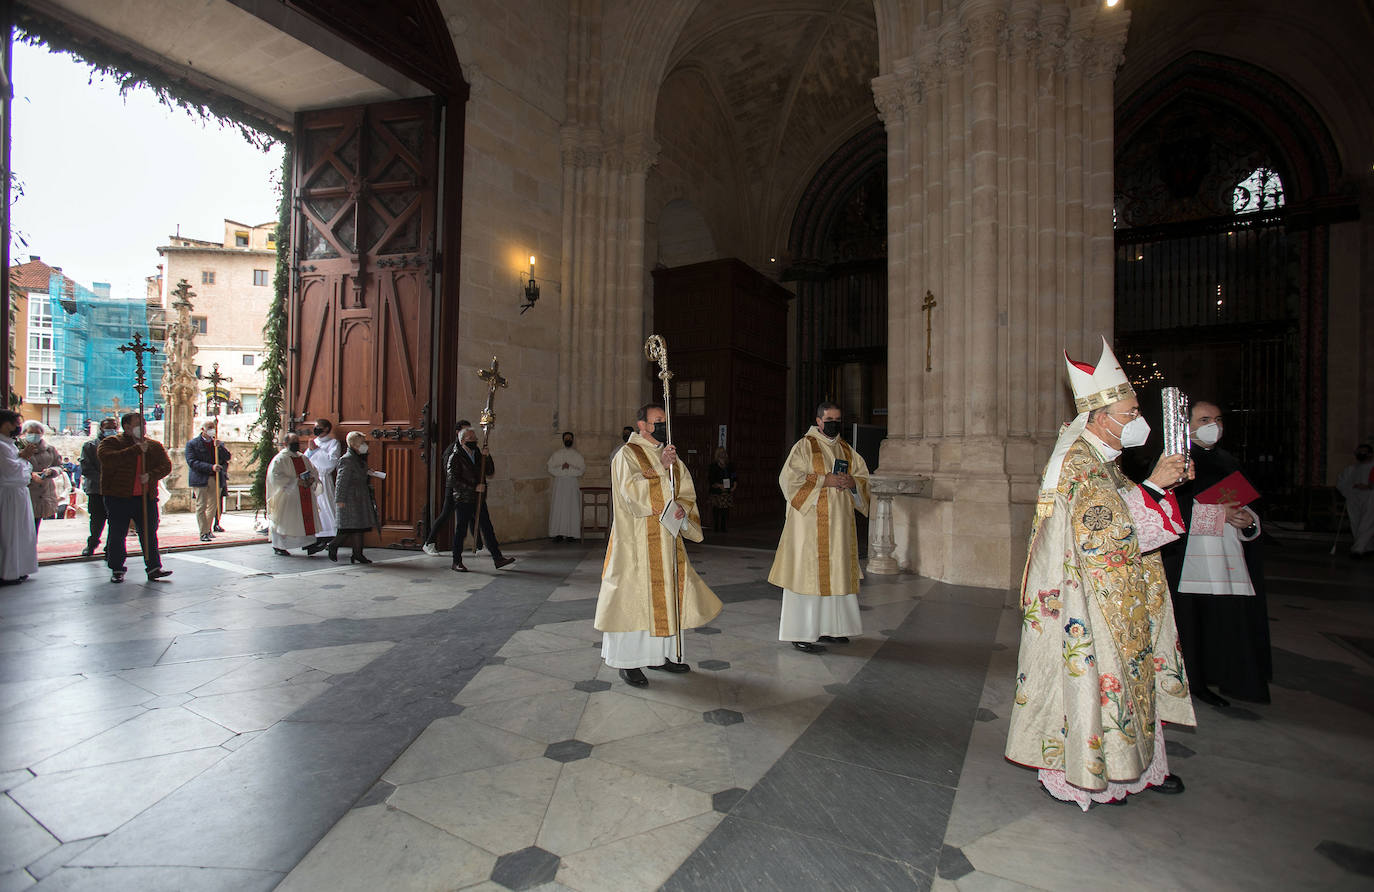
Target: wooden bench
237, 492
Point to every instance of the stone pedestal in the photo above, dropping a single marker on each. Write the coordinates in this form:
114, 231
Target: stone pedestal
881, 543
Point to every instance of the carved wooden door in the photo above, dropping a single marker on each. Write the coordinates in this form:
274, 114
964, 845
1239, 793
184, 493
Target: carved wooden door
362, 303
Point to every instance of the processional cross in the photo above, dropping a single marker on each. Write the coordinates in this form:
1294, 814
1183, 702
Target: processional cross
493, 379
139, 347
217, 394
928, 306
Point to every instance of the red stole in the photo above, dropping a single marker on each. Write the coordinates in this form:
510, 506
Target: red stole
306, 496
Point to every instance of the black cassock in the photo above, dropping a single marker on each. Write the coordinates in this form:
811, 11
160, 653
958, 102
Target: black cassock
1225, 638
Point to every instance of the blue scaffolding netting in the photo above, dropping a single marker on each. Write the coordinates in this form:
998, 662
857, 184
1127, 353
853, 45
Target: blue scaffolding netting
96, 379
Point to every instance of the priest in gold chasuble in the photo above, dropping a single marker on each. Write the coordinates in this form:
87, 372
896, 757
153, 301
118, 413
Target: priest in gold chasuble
1099, 667
641, 604
817, 562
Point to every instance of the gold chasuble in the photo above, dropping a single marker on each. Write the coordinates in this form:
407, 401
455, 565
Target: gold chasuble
1099, 656
636, 590
819, 551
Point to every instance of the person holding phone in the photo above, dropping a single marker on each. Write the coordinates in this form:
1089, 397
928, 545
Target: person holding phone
817, 562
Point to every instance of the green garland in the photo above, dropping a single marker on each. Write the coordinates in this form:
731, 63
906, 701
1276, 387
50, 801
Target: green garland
274, 333
130, 72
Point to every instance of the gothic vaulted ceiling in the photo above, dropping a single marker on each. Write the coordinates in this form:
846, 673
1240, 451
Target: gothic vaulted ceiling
791, 80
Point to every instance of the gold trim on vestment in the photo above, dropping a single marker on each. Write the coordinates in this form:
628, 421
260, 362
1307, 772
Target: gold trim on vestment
1104, 398
854, 539
805, 492
822, 519
658, 599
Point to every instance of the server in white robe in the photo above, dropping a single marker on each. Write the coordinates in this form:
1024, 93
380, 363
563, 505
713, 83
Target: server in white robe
324, 453
566, 466
18, 537
1356, 484
291, 487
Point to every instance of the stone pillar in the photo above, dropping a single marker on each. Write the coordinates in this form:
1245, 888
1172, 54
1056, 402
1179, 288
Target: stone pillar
601, 347
1000, 179
179, 397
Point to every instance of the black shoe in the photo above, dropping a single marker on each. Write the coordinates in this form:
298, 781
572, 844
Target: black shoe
498, 563
158, 573
116, 575
670, 666
281, 551
87, 551
458, 567
634, 678
834, 639
358, 559
317, 546
1211, 699
217, 528
1170, 786
205, 537
807, 647
332, 550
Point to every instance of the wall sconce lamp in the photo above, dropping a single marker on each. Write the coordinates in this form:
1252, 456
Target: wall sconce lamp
531, 289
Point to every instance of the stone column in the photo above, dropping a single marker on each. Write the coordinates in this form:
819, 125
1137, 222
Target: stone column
1000, 171
601, 345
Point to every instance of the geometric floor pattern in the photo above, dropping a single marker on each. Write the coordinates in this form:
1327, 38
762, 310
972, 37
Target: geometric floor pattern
265, 722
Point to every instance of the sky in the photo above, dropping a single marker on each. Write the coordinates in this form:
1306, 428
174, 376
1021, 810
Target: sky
107, 179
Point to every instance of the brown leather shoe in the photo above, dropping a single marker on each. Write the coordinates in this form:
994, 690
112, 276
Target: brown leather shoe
503, 562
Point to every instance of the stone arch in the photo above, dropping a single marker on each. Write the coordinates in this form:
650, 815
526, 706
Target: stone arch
684, 236
1251, 102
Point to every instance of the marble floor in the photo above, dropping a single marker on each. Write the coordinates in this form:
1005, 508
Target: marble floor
263, 722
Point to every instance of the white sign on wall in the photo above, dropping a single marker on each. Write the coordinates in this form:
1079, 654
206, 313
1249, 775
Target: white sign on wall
720, 440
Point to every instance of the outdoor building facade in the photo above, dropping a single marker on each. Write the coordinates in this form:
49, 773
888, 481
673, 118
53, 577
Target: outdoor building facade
232, 282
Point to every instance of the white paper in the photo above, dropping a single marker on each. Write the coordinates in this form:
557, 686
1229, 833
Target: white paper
669, 519
380, 475
858, 502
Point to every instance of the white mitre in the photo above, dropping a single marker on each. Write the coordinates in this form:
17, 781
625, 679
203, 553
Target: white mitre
1094, 387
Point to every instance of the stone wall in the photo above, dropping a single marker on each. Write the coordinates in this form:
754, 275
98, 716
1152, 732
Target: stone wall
514, 57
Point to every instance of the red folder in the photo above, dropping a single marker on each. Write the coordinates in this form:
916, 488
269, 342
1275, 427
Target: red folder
1233, 488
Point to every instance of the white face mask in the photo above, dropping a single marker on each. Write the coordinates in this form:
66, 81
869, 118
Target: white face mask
135, 431
1207, 435
362, 449
1134, 432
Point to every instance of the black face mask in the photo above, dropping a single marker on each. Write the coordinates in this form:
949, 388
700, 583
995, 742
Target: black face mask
625, 436
320, 430
294, 446
661, 431
567, 444
831, 429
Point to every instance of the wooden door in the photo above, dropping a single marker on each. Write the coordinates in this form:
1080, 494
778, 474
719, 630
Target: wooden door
362, 305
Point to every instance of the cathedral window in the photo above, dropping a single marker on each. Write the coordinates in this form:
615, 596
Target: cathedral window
1261, 190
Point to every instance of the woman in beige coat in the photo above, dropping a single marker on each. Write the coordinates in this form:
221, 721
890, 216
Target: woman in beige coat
46, 467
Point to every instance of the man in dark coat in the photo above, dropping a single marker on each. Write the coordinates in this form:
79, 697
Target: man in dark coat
465, 481
201, 465
90, 482
1225, 638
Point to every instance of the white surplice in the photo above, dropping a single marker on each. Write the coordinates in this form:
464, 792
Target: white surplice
18, 538
325, 457
565, 514
1359, 503
285, 519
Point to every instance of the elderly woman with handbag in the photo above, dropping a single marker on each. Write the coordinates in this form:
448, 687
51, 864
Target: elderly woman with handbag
357, 510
